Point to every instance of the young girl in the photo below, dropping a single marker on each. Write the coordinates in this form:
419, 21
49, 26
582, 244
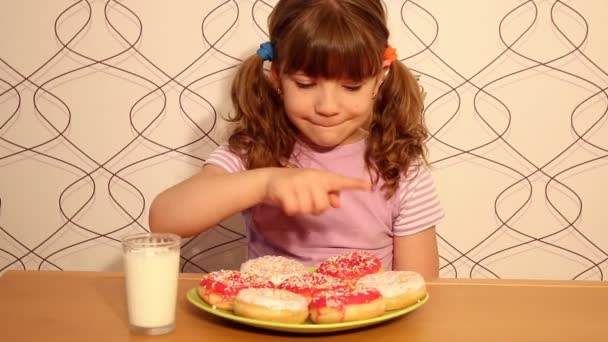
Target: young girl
327, 154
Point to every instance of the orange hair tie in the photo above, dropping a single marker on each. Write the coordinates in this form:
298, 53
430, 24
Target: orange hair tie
390, 53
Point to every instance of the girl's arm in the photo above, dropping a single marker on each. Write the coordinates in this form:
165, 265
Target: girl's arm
204, 200
417, 252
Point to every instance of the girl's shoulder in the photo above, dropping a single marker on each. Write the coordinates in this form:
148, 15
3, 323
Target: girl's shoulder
416, 170
417, 178
224, 157
417, 202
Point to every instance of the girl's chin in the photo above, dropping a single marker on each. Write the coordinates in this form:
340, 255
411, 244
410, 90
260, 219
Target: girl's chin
324, 140
329, 142
333, 140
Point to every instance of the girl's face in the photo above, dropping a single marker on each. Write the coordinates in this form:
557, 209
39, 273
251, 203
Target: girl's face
328, 112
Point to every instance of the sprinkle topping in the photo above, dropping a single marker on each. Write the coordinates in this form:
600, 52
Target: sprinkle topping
275, 267
393, 283
338, 299
352, 266
311, 284
228, 283
273, 298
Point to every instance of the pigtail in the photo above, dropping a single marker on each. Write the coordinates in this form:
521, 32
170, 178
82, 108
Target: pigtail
261, 126
397, 132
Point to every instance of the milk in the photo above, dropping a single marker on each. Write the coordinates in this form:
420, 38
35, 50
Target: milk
151, 279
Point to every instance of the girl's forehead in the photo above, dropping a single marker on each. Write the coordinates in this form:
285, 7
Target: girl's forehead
330, 66
302, 74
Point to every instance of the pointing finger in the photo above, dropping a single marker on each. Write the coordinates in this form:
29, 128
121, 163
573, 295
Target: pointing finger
347, 183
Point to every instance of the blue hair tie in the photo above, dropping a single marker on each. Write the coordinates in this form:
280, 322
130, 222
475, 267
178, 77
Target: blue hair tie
265, 51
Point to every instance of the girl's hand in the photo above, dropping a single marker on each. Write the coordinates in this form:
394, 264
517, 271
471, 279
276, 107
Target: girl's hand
308, 191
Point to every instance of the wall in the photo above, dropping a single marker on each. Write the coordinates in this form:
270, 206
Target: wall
103, 104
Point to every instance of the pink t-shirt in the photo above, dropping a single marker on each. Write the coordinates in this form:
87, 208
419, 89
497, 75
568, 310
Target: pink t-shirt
364, 221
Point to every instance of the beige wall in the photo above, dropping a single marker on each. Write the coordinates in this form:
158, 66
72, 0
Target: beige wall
92, 129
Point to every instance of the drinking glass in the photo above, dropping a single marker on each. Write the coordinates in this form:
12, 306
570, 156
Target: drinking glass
151, 263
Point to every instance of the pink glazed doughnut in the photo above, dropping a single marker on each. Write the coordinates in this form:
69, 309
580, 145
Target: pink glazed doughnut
350, 267
220, 288
346, 306
311, 284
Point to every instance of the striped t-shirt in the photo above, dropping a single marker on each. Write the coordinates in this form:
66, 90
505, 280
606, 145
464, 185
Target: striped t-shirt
364, 221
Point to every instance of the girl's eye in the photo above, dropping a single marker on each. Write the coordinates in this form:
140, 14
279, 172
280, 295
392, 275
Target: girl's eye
304, 85
352, 87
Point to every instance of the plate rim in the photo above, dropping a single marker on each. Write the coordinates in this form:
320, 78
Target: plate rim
303, 328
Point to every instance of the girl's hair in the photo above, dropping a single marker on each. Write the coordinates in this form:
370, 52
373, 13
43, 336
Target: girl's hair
334, 39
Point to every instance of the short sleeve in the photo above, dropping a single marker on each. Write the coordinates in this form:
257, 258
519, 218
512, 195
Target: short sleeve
419, 207
226, 159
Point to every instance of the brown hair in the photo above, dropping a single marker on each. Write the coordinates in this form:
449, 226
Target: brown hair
334, 39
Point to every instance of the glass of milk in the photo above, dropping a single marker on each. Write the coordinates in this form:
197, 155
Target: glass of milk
151, 269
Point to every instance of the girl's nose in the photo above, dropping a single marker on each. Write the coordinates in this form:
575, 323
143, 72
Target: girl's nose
326, 103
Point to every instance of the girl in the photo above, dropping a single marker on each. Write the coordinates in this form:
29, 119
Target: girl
327, 154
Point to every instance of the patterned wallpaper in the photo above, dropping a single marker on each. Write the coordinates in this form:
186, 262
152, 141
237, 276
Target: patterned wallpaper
104, 103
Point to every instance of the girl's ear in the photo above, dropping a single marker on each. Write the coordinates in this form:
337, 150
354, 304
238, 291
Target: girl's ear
275, 77
386, 65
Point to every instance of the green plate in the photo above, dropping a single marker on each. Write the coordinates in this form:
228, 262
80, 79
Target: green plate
305, 328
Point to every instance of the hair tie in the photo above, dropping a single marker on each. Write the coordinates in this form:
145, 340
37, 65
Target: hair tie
266, 51
390, 53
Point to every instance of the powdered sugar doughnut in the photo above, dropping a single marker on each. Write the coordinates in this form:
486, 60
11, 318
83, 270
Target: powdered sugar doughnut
351, 266
311, 284
219, 288
346, 306
399, 288
273, 305
276, 268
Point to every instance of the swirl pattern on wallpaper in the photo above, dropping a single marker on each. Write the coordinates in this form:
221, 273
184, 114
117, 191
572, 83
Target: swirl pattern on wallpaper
105, 103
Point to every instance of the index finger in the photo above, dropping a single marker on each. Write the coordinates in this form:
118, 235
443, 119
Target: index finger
338, 183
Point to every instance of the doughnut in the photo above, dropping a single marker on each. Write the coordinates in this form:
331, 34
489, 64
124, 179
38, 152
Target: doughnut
399, 288
219, 288
351, 266
310, 284
346, 306
276, 268
275, 305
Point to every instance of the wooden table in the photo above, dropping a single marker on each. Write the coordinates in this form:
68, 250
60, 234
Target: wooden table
91, 306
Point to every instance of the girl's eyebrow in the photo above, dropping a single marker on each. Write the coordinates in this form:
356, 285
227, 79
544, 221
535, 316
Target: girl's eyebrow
301, 77
300, 74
